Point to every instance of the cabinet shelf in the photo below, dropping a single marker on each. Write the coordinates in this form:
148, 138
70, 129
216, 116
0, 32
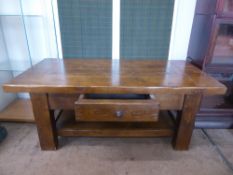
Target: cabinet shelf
19, 110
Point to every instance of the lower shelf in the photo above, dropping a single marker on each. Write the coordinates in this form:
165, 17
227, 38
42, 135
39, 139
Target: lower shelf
67, 126
19, 110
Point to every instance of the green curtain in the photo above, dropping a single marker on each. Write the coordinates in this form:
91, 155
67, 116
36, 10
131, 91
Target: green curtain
145, 28
86, 28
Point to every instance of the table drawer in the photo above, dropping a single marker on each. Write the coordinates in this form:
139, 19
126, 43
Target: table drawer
123, 109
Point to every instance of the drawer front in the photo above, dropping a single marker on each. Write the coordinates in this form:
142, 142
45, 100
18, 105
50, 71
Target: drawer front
116, 110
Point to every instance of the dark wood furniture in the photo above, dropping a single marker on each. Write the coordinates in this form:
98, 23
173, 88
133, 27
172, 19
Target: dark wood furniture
157, 86
211, 49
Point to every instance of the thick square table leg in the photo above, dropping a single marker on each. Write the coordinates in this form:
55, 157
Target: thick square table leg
45, 121
186, 120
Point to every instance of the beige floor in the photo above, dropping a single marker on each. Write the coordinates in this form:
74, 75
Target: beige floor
20, 154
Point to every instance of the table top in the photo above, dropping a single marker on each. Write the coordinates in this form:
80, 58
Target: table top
109, 76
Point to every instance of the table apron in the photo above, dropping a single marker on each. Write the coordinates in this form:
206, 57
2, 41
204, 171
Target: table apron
66, 101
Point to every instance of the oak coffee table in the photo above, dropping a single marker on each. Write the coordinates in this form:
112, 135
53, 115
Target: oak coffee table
107, 98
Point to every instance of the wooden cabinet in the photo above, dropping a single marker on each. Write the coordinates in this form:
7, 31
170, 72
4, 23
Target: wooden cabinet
211, 49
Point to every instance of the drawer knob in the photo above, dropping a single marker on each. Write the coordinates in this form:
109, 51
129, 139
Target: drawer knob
119, 114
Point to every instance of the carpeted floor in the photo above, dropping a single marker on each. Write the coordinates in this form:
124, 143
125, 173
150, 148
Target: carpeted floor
20, 154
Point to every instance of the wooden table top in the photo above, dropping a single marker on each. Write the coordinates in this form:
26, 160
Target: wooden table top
108, 76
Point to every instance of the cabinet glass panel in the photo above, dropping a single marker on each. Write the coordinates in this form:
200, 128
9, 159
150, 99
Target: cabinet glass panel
86, 28
37, 38
145, 28
223, 50
6, 98
14, 49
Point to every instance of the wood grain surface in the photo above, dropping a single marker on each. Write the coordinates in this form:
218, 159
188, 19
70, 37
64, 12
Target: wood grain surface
107, 76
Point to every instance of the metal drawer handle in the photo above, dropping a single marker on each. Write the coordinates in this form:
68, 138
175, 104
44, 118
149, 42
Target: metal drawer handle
119, 114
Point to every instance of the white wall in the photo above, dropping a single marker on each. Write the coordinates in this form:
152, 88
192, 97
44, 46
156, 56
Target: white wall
181, 28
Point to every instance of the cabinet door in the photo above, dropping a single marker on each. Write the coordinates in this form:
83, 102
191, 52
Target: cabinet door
221, 51
206, 7
225, 8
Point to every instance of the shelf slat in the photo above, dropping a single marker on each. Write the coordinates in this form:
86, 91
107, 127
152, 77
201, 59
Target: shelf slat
19, 110
67, 126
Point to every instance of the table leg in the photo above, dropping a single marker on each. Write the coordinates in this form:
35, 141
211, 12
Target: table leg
45, 121
186, 120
